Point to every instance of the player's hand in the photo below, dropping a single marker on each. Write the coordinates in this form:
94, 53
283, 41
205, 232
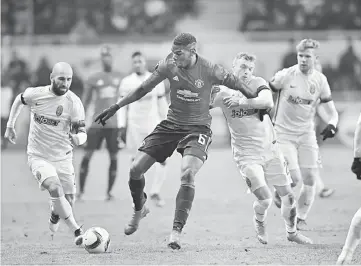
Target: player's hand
10, 134
106, 114
74, 140
329, 132
356, 167
231, 101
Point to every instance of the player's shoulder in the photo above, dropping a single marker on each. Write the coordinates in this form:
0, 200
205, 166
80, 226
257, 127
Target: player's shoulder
166, 64
72, 97
318, 75
38, 90
205, 62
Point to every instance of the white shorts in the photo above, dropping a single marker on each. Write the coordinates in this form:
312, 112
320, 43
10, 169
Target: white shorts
64, 170
265, 170
300, 151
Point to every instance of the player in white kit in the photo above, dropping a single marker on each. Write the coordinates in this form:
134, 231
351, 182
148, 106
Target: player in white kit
354, 233
255, 149
301, 88
56, 125
143, 116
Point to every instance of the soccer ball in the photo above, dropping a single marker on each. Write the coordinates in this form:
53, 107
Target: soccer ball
96, 240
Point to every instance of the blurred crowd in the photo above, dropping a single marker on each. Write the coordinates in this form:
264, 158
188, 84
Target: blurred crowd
264, 15
92, 17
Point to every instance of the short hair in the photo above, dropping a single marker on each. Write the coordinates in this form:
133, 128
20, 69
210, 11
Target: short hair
246, 56
307, 44
184, 39
137, 53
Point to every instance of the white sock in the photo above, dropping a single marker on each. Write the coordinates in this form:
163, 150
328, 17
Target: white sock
305, 201
62, 208
354, 233
260, 208
159, 178
289, 213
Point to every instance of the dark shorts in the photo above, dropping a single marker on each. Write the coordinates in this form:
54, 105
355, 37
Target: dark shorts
168, 137
112, 136
3, 125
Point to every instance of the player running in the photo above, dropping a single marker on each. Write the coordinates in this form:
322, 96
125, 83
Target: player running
144, 115
102, 90
354, 233
255, 149
186, 129
57, 123
300, 88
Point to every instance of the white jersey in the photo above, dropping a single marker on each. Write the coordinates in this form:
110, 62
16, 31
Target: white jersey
51, 117
249, 135
144, 114
299, 95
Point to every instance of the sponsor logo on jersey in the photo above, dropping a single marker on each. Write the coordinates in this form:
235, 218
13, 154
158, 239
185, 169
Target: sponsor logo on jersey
243, 112
100, 82
38, 175
40, 119
199, 83
176, 78
187, 95
59, 110
298, 100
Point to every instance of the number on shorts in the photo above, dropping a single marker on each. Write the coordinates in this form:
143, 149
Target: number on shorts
204, 140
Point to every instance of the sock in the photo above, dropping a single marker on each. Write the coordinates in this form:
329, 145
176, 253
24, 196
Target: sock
289, 212
159, 178
307, 196
84, 167
184, 202
62, 208
354, 233
260, 208
137, 190
112, 174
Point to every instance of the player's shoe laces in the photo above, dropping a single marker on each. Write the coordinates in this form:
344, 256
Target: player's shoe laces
345, 257
302, 225
174, 239
54, 222
277, 200
260, 228
298, 238
78, 233
159, 202
326, 192
133, 225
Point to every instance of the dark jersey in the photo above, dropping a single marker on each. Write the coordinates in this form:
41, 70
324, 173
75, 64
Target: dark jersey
190, 90
104, 87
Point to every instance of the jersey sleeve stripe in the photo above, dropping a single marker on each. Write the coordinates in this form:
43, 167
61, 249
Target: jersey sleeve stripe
326, 100
22, 99
261, 88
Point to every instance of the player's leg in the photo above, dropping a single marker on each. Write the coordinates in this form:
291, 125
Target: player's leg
113, 140
322, 190
253, 174
159, 178
309, 165
94, 141
352, 240
193, 148
289, 150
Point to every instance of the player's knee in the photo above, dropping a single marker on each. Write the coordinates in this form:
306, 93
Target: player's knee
264, 204
55, 189
295, 176
309, 176
136, 171
288, 200
187, 177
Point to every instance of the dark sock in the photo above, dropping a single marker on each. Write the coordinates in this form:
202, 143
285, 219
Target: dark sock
136, 189
184, 202
112, 174
84, 167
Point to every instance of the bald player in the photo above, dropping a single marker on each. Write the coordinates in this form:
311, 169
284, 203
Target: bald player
301, 88
186, 128
102, 89
56, 125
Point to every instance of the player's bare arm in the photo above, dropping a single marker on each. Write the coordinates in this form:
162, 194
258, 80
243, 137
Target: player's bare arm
134, 95
229, 80
264, 100
356, 165
16, 108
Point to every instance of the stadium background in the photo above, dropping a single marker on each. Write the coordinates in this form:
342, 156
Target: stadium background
38, 33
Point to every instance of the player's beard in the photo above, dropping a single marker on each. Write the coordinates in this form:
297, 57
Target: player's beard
59, 90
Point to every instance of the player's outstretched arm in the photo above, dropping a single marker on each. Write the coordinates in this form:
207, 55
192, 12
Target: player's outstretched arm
264, 100
356, 164
134, 95
16, 108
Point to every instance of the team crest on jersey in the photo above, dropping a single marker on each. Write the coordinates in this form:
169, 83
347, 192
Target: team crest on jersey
312, 89
59, 110
199, 83
116, 81
100, 82
38, 175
